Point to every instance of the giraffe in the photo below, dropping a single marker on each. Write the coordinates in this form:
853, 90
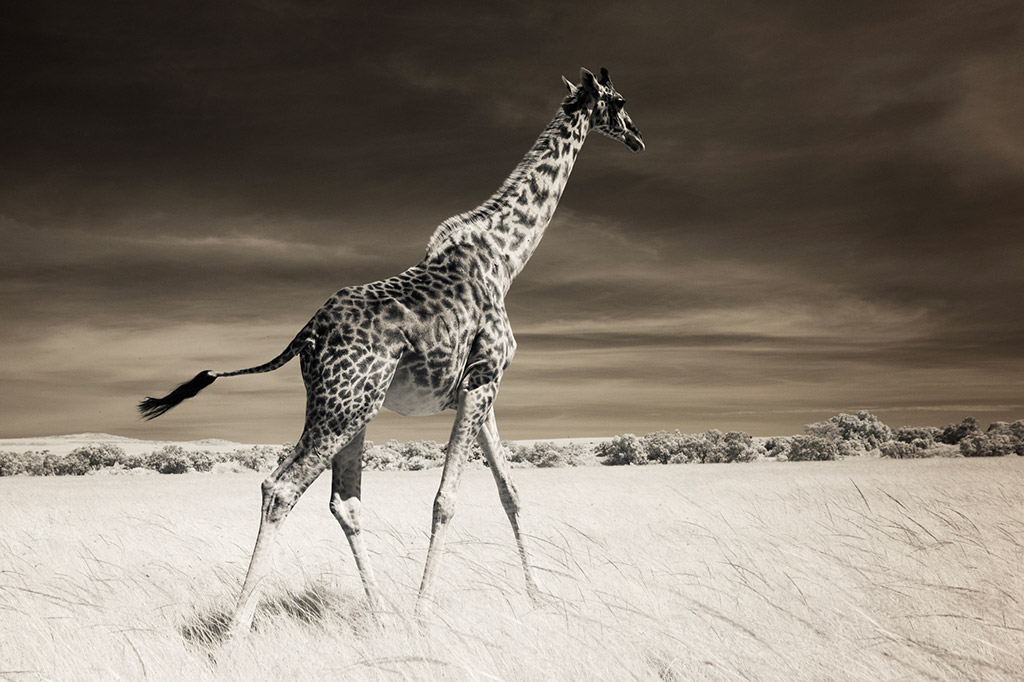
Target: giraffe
433, 338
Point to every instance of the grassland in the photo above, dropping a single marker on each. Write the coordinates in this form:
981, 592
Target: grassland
863, 569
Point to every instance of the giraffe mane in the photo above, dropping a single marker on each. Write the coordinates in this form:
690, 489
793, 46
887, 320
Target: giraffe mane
446, 233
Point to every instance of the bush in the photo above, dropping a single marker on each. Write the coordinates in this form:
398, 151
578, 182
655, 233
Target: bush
545, 454
992, 444
624, 449
11, 464
898, 449
203, 461
852, 434
812, 449
379, 457
515, 452
170, 459
75, 463
920, 437
1014, 432
424, 454
662, 446
740, 447
260, 457
778, 446
133, 461
954, 433
100, 455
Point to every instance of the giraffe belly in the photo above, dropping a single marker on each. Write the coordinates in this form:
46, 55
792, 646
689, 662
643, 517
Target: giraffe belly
415, 391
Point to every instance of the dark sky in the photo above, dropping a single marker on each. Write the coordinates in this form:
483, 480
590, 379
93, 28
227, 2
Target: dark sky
828, 216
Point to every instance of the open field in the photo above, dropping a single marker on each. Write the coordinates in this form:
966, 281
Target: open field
862, 569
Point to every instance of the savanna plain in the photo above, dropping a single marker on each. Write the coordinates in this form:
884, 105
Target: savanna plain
861, 569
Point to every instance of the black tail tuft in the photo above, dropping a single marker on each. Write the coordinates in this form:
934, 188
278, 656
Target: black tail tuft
151, 408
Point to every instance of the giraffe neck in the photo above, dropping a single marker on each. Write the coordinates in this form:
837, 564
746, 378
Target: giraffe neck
509, 226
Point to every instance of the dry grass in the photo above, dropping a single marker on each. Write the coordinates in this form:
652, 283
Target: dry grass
855, 570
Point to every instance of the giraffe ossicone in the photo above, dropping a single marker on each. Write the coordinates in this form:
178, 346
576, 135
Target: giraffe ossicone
432, 338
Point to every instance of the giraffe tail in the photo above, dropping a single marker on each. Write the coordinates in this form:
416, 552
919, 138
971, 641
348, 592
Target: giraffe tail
151, 408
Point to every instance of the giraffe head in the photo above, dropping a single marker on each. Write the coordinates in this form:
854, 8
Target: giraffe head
608, 108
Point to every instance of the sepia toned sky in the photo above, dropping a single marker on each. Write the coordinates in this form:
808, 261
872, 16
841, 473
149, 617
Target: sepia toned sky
828, 216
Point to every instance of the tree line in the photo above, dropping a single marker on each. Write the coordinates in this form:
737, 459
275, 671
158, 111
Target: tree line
844, 435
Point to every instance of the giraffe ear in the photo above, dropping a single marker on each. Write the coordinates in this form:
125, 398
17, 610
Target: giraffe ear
569, 86
589, 82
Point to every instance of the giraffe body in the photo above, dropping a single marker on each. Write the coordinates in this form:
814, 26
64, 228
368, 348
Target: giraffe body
433, 338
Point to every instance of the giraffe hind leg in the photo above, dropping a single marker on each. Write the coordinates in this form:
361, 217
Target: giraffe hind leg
281, 490
331, 423
346, 479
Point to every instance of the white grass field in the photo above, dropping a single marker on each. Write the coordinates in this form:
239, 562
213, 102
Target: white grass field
862, 569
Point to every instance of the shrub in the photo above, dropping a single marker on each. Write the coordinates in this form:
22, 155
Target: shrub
1014, 432
993, 444
259, 457
11, 464
545, 454
662, 446
170, 459
899, 449
100, 455
75, 463
778, 446
29, 463
44, 463
423, 454
624, 449
133, 461
812, 448
202, 460
738, 446
379, 457
515, 452
954, 433
920, 437
854, 434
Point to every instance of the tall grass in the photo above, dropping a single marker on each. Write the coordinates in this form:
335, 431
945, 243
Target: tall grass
852, 570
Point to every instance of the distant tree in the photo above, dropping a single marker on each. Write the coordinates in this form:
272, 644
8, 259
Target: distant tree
202, 460
812, 448
624, 449
898, 449
921, 437
853, 434
75, 463
661, 446
420, 454
991, 444
100, 455
1012, 433
778, 446
545, 454
738, 446
954, 433
11, 464
170, 459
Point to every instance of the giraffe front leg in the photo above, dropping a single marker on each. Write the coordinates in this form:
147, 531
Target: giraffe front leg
502, 473
473, 407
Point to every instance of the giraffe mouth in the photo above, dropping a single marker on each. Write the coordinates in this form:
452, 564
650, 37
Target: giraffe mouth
634, 141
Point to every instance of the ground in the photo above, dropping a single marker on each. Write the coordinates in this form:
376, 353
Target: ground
863, 569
